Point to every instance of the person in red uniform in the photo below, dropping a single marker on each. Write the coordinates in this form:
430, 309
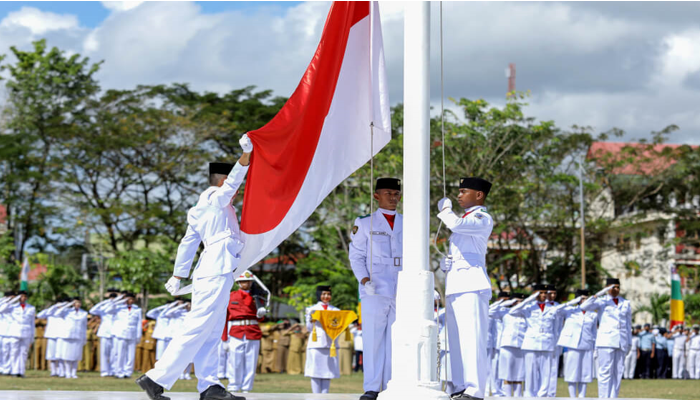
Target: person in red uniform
242, 333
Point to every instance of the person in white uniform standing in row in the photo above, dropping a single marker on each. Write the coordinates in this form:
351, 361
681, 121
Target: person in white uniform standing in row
694, 353
212, 221
554, 360
614, 336
320, 366
510, 356
380, 234
468, 287
494, 384
126, 329
20, 331
578, 336
54, 325
633, 355
73, 337
160, 331
106, 309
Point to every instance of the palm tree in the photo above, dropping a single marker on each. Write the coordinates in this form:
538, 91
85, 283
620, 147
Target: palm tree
659, 307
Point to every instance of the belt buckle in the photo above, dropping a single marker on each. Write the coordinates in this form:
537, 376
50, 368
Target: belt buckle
397, 261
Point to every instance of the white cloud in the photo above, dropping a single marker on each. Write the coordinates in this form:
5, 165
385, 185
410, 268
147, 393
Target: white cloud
38, 22
121, 5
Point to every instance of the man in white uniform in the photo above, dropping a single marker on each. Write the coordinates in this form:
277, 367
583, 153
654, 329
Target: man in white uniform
74, 336
578, 336
614, 336
539, 342
127, 331
510, 358
380, 234
679, 339
556, 354
694, 353
20, 331
160, 314
212, 221
468, 287
54, 326
633, 355
494, 384
106, 310
5, 360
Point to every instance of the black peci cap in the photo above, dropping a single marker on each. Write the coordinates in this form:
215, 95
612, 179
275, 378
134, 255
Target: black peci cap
612, 281
539, 286
388, 183
220, 168
475, 183
503, 294
583, 292
550, 287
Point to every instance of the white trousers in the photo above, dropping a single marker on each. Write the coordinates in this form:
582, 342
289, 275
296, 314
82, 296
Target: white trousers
125, 352
161, 345
578, 366
106, 362
320, 385
630, 364
610, 368
378, 314
537, 368
694, 364
496, 383
223, 360
70, 368
553, 372
199, 338
6, 362
242, 362
19, 350
467, 331
678, 363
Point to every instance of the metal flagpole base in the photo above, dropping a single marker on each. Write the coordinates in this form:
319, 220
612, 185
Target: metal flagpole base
414, 341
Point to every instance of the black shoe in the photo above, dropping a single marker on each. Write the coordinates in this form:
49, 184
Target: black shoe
456, 395
369, 395
216, 392
464, 396
152, 389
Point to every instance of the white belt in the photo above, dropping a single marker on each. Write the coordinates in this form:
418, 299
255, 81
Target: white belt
244, 322
395, 261
217, 238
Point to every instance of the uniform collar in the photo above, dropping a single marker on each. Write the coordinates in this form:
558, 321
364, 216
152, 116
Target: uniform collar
474, 208
388, 212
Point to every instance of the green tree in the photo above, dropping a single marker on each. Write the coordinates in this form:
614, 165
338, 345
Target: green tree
142, 271
659, 307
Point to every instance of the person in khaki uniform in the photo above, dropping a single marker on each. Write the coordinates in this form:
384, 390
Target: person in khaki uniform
148, 348
345, 353
282, 353
297, 344
38, 357
267, 349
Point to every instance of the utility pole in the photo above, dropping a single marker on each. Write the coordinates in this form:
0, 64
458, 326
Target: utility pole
510, 74
583, 226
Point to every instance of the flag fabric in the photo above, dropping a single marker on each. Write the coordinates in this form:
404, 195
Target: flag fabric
322, 134
334, 323
677, 311
24, 275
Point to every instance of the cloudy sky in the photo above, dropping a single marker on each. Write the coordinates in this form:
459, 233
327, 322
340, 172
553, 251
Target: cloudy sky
635, 66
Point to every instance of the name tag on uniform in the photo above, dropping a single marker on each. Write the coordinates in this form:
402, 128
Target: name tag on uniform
379, 233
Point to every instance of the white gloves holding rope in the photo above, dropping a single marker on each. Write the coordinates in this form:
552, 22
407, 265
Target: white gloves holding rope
444, 203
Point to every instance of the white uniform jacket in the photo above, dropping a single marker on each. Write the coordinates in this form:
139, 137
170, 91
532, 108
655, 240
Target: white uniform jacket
212, 221
495, 324
513, 328
127, 323
20, 321
175, 316
679, 341
614, 321
4, 318
580, 329
74, 323
160, 331
694, 343
470, 235
322, 339
541, 325
106, 310
387, 251
54, 323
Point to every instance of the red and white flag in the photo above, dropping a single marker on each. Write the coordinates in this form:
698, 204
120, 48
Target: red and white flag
322, 134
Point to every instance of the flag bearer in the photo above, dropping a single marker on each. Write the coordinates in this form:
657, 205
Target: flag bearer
212, 221
468, 287
614, 336
578, 336
380, 234
320, 366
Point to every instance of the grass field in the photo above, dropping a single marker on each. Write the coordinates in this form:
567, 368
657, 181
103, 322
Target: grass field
282, 383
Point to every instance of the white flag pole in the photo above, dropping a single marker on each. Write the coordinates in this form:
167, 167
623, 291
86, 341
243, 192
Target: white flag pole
414, 334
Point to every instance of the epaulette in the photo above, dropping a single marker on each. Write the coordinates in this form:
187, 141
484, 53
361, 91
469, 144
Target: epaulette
364, 216
482, 209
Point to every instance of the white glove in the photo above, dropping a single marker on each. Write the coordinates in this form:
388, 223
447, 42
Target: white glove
446, 264
225, 345
261, 312
246, 144
604, 291
370, 288
574, 301
172, 285
444, 203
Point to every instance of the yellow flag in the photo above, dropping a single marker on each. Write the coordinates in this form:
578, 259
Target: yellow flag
334, 323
